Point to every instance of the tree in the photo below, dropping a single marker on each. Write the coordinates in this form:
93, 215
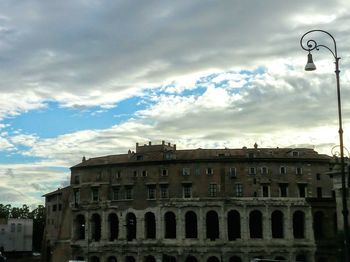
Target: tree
5, 211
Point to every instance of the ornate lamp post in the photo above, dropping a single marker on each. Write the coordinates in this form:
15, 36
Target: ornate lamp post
310, 66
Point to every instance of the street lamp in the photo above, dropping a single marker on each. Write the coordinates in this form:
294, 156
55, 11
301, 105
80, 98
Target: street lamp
310, 66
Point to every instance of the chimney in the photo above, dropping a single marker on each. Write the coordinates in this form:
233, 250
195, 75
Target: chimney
84, 159
163, 142
149, 143
174, 146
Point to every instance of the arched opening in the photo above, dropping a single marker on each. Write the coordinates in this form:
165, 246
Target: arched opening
130, 259
94, 259
318, 225
280, 258
255, 224
80, 258
212, 225
335, 224
150, 259
170, 225
95, 227
150, 225
213, 259
191, 225
233, 225
301, 258
80, 227
191, 259
298, 224
112, 259
130, 226
277, 224
235, 259
113, 223
167, 258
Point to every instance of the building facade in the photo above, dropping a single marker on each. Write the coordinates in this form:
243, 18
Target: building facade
163, 204
16, 235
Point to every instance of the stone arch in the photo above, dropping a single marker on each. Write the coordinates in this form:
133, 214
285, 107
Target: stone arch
191, 259
113, 225
277, 220
150, 259
235, 259
318, 225
112, 259
130, 259
169, 225
94, 259
213, 259
150, 226
80, 225
130, 226
96, 227
191, 228
167, 258
301, 258
298, 224
233, 225
255, 224
212, 225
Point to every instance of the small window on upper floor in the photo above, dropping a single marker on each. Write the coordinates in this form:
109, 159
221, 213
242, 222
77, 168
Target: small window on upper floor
283, 170
295, 153
318, 176
164, 191
252, 171
299, 170
118, 174
128, 192
164, 172
197, 171
144, 173
213, 190
186, 171
135, 173
94, 194
239, 190
187, 191
54, 208
265, 190
264, 170
283, 189
232, 172
209, 171
151, 192
19, 227
13, 227
139, 157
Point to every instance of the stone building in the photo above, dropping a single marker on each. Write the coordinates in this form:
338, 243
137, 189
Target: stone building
229, 205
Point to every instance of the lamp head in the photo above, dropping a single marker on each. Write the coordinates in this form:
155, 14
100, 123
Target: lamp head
310, 66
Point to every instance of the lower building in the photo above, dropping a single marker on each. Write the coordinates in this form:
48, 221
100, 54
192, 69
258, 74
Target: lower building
16, 235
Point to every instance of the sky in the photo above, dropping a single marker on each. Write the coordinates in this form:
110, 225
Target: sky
92, 78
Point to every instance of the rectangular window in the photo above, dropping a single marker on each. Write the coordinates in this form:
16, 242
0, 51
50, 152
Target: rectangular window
186, 171
13, 227
76, 179
164, 192
318, 176
164, 172
151, 191
283, 170
94, 194
187, 191
299, 171
19, 227
265, 191
209, 171
283, 190
54, 208
295, 153
213, 189
135, 173
319, 192
144, 173
115, 193
139, 157
197, 171
128, 192
302, 190
239, 190
252, 171
76, 196
118, 174
59, 207
264, 170
232, 172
